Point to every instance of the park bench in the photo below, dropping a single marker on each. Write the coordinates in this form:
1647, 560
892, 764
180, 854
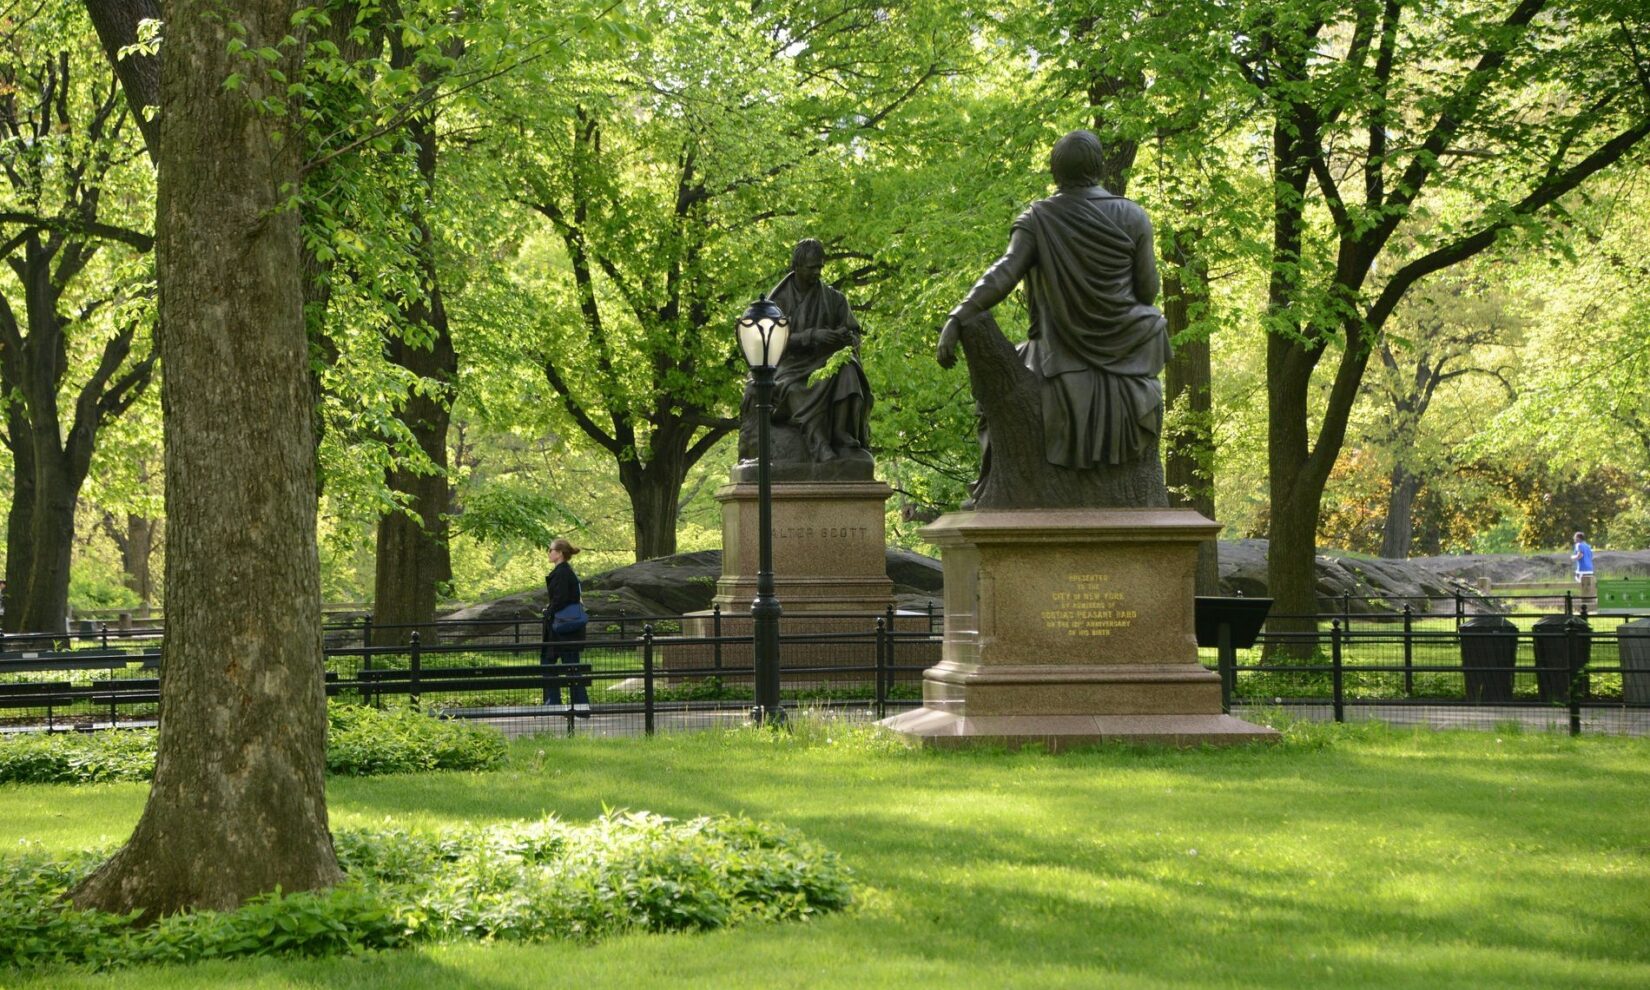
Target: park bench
1624, 594
117, 691
32, 660
447, 680
37, 694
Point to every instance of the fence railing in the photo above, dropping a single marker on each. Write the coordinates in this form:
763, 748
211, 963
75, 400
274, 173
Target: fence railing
634, 682
1560, 664
640, 676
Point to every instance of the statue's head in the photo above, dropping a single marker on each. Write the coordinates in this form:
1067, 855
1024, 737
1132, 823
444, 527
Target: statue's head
807, 259
1076, 161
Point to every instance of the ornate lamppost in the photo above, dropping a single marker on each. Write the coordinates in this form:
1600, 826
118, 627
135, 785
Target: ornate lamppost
763, 333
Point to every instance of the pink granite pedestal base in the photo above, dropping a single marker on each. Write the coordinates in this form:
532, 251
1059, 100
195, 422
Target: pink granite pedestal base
1068, 627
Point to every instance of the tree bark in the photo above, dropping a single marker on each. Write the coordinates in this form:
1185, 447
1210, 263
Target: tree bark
238, 803
414, 560
116, 23
1189, 461
1398, 531
134, 536
45, 606
655, 490
19, 548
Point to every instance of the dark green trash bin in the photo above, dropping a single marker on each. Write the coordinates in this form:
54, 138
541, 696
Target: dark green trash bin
1633, 643
1489, 651
1563, 645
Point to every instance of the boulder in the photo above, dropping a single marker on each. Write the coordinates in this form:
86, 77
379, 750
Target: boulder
685, 582
1509, 568
913, 573
1375, 585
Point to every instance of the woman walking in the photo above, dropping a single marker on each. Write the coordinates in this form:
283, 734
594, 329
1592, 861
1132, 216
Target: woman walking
564, 626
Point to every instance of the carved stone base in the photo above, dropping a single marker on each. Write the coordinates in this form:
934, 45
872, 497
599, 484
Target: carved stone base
828, 546
1068, 626
830, 570
927, 727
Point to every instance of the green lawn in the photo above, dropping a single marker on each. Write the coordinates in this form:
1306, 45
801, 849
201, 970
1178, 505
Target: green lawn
1348, 856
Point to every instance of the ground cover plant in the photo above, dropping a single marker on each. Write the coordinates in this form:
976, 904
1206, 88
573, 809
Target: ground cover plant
544, 879
1350, 855
361, 741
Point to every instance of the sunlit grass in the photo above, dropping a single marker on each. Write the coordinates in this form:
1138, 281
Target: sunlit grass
1348, 855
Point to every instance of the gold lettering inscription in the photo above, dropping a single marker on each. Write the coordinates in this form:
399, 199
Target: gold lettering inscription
1087, 608
820, 532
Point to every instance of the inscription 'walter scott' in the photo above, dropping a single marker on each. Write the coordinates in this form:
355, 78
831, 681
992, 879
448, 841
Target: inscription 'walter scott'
1087, 607
820, 532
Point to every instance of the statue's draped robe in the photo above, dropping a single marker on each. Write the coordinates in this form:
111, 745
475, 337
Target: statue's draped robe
1095, 338
837, 410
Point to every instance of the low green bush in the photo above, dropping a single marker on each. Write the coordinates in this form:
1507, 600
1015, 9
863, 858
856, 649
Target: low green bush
531, 881
77, 758
361, 741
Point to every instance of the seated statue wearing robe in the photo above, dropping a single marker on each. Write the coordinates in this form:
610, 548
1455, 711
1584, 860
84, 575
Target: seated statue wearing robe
1086, 258
832, 415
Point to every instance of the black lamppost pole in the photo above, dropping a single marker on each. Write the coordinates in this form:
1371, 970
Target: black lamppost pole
763, 333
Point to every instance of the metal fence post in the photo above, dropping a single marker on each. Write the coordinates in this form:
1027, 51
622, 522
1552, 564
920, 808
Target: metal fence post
1571, 654
716, 633
1460, 610
1409, 651
1569, 603
881, 695
1346, 608
888, 648
647, 678
415, 664
1335, 664
366, 630
1226, 658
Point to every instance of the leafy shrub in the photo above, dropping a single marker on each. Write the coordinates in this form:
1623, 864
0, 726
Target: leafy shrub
47, 758
537, 880
361, 741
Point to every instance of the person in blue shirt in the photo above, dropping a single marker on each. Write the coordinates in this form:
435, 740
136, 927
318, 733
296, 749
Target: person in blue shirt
1583, 557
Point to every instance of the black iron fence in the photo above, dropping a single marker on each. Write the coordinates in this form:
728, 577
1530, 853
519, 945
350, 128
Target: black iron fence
637, 680
1582, 672
1540, 670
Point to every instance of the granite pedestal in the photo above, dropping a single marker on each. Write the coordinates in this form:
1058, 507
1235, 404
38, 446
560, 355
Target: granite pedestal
830, 577
1071, 626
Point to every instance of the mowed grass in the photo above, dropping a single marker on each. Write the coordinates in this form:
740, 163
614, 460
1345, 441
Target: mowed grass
1347, 856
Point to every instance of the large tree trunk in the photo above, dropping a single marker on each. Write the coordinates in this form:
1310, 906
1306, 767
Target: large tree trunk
413, 556
1189, 461
116, 23
45, 607
19, 548
655, 491
135, 538
1398, 531
238, 803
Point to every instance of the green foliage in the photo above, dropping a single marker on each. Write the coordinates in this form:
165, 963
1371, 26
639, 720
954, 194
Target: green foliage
538, 880
80, 758
362, 741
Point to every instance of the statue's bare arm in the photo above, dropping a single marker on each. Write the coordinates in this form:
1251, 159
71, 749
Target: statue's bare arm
992, 288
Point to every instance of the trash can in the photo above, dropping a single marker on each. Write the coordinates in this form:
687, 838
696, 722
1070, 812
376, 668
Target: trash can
1633, 642
1489, 651
1554, 637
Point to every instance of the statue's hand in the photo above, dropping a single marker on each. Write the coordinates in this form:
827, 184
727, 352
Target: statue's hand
946, 352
